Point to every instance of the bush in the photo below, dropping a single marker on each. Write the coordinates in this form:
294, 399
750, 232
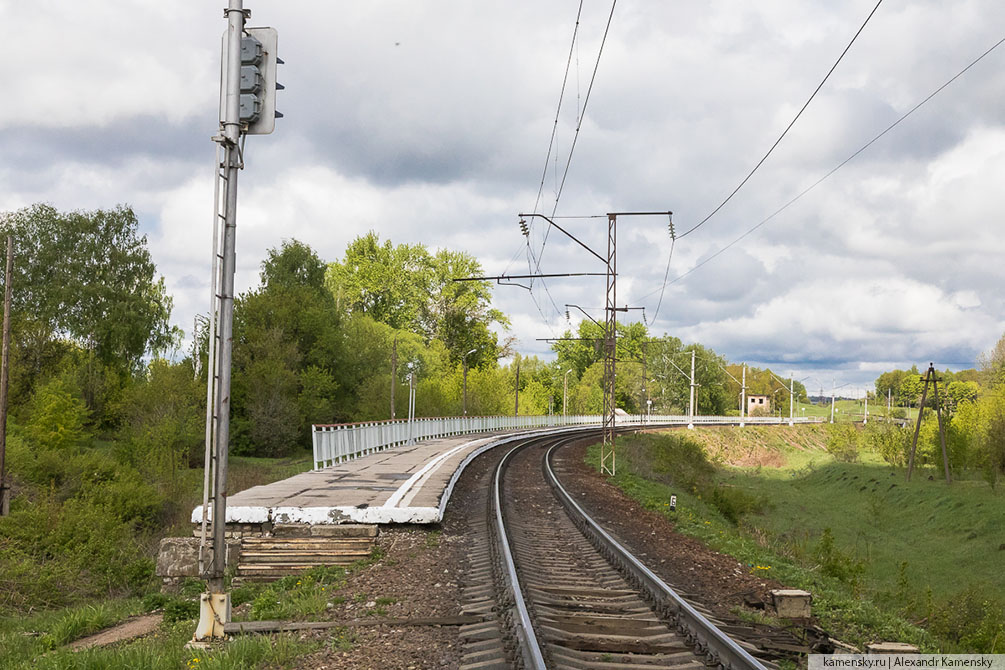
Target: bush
843, 442
58, 417
835, 563
56, 551
678, 460
971, 619
733, 503
890, 441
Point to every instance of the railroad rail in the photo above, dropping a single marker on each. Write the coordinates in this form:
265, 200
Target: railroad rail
571, 596
338, 443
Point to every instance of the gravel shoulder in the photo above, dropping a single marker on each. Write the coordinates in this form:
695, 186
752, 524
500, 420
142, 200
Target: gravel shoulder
717, 581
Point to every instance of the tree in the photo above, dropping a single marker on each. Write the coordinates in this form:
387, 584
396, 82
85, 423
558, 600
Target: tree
287, 346
390, 284
410, 289
87, 277
992, 364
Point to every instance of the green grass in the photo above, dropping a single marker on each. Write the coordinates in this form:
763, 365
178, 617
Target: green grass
38, 641
877, 553
849, 410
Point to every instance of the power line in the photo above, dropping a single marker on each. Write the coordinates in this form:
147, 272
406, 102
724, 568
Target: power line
666, 275
561, 96
787, 128
842, 163
579, 122
586, 101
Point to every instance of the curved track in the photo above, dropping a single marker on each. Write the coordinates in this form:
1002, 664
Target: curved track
572, 596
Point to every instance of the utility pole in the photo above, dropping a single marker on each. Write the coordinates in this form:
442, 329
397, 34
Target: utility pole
394, 372
464, 363
247, 106
607, 456
195, 347
411, 406
889, 395
516, 407
645, 378
690, 405
930, 376
865, 419
792, 398
4, 368
832, 401
743, 396
565, 393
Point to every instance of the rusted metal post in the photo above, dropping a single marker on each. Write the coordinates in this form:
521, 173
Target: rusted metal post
607, 457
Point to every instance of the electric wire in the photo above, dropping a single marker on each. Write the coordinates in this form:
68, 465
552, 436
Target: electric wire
547, 160
787, 128
581, 114
558, 111
666, 275
579, 121
839, 165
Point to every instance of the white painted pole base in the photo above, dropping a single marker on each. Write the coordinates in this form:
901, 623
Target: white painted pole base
690, 426
214, 612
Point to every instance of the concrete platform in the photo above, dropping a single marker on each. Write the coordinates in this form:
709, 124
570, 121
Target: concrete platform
404, 484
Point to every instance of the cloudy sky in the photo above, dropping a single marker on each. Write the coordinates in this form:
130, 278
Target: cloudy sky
430, 122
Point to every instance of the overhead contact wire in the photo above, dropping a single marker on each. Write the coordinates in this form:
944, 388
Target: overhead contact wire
787, 128
844, 162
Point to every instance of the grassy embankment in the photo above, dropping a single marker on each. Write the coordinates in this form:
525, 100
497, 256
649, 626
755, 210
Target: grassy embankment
34, 635
885, 559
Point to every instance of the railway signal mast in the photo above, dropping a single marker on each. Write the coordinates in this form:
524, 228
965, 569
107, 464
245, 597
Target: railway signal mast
247, 107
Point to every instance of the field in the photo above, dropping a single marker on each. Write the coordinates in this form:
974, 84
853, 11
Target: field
886, 559
849, 410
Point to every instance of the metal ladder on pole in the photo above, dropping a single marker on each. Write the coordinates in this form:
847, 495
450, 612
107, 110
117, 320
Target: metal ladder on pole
213, 346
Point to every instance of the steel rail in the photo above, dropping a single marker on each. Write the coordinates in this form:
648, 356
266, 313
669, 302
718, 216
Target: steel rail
530, 648
725, 651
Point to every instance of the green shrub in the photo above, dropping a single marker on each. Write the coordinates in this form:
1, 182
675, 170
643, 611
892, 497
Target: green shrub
58, 417
733, 503
843, 442
180, 609
85, 550
835, 563
971, 619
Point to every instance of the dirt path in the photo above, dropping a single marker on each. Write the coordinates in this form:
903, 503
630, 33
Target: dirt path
127, 630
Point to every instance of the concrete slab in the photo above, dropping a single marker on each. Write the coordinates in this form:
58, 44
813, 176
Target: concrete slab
405, 484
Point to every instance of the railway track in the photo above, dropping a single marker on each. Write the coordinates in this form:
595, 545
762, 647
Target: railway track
565, 594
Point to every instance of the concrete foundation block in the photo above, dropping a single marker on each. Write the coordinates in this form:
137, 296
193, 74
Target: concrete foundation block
345, 530
792, 603
179, 556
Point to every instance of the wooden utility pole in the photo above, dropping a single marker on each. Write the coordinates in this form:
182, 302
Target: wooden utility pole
516, 409
4, 365
929, 378
394, 372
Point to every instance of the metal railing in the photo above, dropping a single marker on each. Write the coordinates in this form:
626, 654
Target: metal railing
337, 443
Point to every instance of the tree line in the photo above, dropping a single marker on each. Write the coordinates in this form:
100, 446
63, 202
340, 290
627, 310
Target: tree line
972, 403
